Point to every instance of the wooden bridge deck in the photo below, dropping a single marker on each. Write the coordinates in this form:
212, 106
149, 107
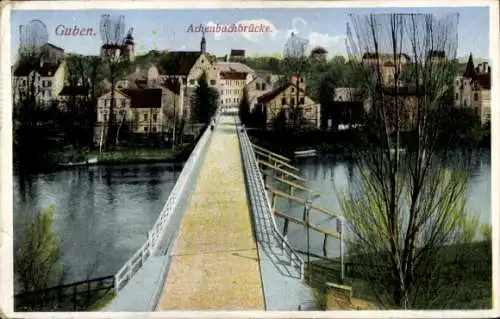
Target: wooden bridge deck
215, 263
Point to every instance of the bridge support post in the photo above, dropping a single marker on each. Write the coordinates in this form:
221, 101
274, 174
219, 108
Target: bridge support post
285, 227
324, 245
274, 202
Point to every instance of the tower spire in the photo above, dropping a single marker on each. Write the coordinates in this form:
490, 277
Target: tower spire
469, 70
203, 44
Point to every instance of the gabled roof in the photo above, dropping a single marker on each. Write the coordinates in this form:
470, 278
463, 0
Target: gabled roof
144, 98
436, 54
233, 76
52, 46
233, 67
111, 46
179, 62
483, 80
25, 68
274, 93
371, 55
470, 72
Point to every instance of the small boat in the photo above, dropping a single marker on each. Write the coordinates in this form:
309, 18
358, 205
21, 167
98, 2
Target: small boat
93, 160
305, 152
90, 161
69, 164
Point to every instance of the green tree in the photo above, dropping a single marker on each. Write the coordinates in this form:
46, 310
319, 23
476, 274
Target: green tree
37, 258
204, 101
244, 108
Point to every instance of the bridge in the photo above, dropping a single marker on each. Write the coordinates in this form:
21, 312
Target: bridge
215, 244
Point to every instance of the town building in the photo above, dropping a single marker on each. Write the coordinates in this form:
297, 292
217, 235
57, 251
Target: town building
386, 65
346, 109
124, 51
44, 81
187, 67
473, 89
282, 102
233, 77
72, 95
144, 111
237, 56
260, 85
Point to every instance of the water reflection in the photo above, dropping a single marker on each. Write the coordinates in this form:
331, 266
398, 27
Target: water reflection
102, 213
332, 175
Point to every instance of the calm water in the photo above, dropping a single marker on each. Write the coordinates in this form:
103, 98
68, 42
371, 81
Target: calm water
330, 176
103, 214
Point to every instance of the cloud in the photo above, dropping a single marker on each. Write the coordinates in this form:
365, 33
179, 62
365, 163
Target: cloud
325, 40
299, 26
270, 33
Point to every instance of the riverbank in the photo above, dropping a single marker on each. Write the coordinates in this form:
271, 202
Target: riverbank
333, 142
464, 286
140, 155
70, 157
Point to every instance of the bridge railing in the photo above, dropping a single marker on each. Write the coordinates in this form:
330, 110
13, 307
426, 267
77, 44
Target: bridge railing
252, 169
155, 235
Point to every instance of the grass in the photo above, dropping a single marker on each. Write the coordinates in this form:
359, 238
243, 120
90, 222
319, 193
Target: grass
469, 284
103, 301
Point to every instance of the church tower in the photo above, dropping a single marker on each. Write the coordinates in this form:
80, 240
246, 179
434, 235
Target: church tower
203, 44
129, 46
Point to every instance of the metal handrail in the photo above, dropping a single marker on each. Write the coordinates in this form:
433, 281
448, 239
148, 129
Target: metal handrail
155, 235
246, 147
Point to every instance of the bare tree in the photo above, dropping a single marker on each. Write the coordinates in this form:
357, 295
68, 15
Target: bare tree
112, 29
295, 63
406, 212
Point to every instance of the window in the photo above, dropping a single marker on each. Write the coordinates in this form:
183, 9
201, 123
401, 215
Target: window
202, 61
457, 97
145, 117
301, 80
301, 100
146, 128
283, 101
263, 86
43, 83
105, 117
465, 102
292, 102
24, 82
212, 82
292, 90
476, 97
154, 117
124, 103
154, 128
191, 82
257, 86
49, 83
221, 101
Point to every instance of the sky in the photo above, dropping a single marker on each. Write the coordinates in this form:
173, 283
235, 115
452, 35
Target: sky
168, 29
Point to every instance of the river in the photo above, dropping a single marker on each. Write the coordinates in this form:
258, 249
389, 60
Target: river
330, 176
103, 213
